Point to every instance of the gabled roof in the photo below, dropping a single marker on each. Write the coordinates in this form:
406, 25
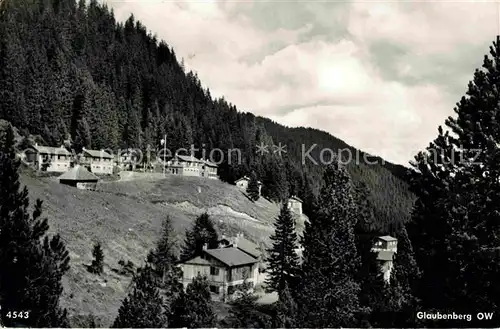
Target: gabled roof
51, 150
387, 238
80, 174
98, 154
248, 247
296, 199
247, 179
197, 261
188, 158
385, 255
209, 163
242, 178
231, 256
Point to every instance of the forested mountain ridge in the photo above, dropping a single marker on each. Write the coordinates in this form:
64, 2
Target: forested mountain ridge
70, 71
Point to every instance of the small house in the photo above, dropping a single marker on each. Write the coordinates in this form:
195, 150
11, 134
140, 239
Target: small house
242, 183
50, 159
128, 159
209, 169
386, 243
386, 247
248, 247
295, 205
79, 177
226, 270
98, 162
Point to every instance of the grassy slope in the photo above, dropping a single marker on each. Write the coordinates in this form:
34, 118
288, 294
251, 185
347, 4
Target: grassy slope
126, 217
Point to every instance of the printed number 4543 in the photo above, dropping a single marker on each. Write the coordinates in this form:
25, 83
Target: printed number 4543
18, 315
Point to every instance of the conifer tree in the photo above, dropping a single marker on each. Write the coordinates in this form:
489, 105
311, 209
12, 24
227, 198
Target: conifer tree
143, 307
328, 292
163, 260
455, 220
31, 263
6, 138
243, 312
372, 287
203, 232
282, 258
253, 187
194, 308
98, 262
286, 310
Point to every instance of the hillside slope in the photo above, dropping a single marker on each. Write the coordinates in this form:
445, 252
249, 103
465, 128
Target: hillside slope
126, 218
70, 72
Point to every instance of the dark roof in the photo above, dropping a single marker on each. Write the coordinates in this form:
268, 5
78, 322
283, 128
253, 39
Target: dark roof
98, 154
79, 173
231, 256
387, 238
385, 255
51, 150
246, 178
296, 199
187, 158
248, 246
197, 261
209, 163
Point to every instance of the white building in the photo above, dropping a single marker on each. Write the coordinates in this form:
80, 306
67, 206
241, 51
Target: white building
98, 162
242, 183
50, 159
386, 247
191, 166
295, 205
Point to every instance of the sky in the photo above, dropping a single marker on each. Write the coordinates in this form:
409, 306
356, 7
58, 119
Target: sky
380, 75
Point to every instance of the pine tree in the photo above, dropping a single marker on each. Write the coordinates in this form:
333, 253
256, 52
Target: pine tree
98, 262
163, 261
143, 307
328, 293
195, 306
282, 258
372, 287
7, 139
286, 310
455, 221
31, 264
243, 312
203, 232
253, 190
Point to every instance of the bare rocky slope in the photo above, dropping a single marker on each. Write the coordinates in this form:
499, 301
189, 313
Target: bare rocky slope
126, 216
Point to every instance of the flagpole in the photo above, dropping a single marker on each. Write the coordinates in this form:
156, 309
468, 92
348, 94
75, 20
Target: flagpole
164, 152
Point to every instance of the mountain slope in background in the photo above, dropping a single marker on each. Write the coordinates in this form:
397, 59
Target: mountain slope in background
70, 72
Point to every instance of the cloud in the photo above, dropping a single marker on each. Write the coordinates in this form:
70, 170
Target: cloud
380, 76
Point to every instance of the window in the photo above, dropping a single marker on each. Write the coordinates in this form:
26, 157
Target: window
214, 289
214, 270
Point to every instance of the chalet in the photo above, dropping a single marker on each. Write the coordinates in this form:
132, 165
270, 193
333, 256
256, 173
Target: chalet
191, 166
98, 162
128, 159
209, 169
50, 159
226, 269
79, 177
184, 165
295, 205
248, 247
242, 183
386, 247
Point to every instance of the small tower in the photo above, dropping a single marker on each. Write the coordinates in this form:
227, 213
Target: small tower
386, 247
